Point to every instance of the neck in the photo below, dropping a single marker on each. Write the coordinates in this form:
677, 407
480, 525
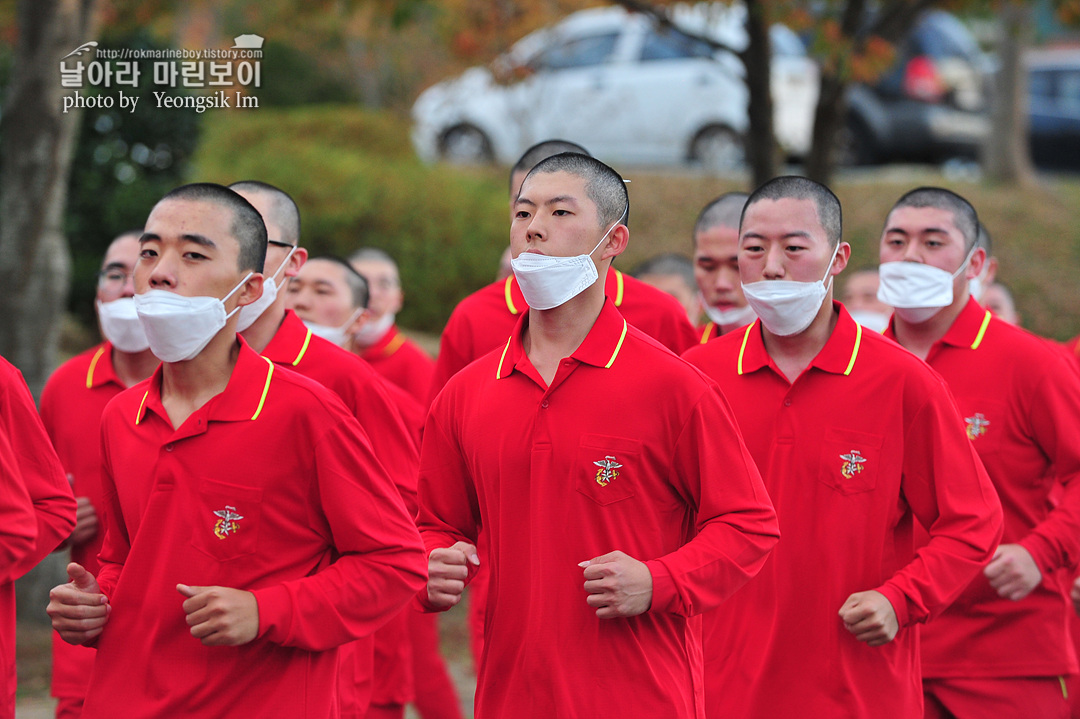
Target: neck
794, 353
920, 338
133, 367
262, 331
556, 333
187, 386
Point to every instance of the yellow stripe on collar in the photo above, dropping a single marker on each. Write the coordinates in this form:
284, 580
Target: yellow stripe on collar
139, 414
617, 347
742, 350
619, 289
498, 372
507, 290
303, 349
266, 387
855, 349
982, 331
93, 364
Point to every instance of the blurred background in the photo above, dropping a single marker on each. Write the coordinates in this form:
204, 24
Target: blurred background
394, 122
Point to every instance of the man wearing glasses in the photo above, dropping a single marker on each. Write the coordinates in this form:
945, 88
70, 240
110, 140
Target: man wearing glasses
71, 407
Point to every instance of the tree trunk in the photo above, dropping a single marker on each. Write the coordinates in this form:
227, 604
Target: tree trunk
1006, 156
828, 119
36, 143
761, 137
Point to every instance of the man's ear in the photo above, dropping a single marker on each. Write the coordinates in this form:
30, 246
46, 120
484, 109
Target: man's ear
251, 291
359, 322
616, 242
292, 267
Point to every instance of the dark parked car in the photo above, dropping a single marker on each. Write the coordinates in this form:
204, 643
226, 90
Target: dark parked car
1054, 108
930, 106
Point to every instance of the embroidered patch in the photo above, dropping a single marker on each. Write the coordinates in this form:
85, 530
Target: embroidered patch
228, 523
976, 426
853, 463
607, 474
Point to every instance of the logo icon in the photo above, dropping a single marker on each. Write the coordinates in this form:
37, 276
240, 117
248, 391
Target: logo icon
606, 474
853, 463
248, 42
85, 47
976, 426
227, 525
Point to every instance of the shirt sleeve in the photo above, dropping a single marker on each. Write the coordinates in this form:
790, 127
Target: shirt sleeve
1054, 418
43, 476
453, 354
736, 524
115, 540
950, 493
449, 511
380, 562
18, 524
395, 442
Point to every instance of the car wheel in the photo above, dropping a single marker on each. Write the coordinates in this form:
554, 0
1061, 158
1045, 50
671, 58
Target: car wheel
718, 150
853, 145
465, 145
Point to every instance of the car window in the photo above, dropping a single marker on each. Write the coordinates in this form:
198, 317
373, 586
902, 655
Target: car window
1041, 85
577, 52
668, 44
1069, 91
943, 35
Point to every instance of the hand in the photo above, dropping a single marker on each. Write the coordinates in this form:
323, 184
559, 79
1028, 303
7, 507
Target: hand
870, 617
220, 616
86, 522
78, 609
1012, 572
618, 585
447, 571
1076, 594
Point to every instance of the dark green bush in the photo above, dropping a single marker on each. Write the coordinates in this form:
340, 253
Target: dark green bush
358, 183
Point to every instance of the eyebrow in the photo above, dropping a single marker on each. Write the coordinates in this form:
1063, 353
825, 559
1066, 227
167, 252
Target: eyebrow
114, 266
785, 236
569, 199
924, 231
200, 240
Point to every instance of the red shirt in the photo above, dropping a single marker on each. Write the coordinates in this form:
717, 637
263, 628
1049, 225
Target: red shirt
629, 449
865, 439
1073, 347
375, 404
1021, 403
273, 487
399, 360
71, 407
31, 504
483, 320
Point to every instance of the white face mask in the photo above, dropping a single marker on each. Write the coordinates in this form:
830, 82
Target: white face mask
728, 320
179, 327
873, 321
548, 282
333, 334
372, 332
120, 325
787, 307
915, 291
252, 312
975, 284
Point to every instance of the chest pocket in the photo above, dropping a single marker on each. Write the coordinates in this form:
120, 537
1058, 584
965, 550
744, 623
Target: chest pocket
849, 460
226, 520
607, 469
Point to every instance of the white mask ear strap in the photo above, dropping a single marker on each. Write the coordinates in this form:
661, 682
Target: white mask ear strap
283, 263
831, 261
966, 260
617, 222
233, 292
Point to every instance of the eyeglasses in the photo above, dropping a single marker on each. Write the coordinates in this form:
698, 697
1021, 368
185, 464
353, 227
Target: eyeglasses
113, 279
279, 243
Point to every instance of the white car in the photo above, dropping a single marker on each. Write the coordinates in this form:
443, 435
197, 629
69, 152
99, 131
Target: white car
629, 90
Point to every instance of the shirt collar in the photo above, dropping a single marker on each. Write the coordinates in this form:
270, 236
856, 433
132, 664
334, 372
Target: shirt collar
101, 370
614, 287
243, 398
967, 330
290, 343
387, 345
600, 348
969, 327
838, 356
